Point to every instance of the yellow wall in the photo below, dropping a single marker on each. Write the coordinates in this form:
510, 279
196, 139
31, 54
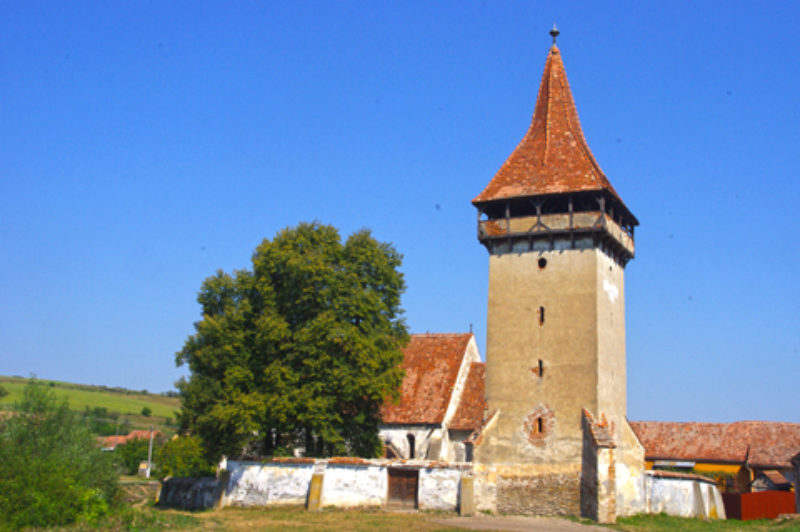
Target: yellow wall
707, 466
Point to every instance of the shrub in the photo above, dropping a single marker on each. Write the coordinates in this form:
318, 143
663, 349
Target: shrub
184, 457
51, 471
129, 455
146, 411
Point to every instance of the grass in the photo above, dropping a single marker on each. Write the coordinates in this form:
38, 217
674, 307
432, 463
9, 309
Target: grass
266, 519
127, 403
657, 523
297, 518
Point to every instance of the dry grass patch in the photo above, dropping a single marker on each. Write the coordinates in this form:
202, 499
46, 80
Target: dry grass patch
297, 518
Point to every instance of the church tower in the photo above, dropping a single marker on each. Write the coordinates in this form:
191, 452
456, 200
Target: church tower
559, 237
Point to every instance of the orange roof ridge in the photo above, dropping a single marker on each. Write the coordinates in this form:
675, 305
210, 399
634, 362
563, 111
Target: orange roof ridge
553, 156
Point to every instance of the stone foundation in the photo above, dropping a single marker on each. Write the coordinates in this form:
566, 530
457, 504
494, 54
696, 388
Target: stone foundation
554, 494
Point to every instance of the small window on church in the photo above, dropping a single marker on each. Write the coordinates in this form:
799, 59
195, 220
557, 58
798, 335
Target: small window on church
411, 445
541, 368
541, 315
542, 263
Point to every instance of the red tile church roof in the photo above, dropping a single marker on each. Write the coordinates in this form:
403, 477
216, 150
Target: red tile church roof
431, 364
469, 415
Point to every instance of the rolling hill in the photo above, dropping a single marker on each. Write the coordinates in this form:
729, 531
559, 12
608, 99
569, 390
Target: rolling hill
124, 406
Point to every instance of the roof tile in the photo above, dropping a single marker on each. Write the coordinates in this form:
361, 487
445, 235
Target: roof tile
552, 157
472, 406
431, 365
757, 443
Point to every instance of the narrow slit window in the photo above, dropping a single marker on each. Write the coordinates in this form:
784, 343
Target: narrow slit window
411, 445
541, 315
539, 425
541, 368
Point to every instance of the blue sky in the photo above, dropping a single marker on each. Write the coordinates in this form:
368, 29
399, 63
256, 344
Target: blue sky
143, 145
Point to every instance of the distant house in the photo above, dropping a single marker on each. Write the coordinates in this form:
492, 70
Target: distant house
441, 402
109, 443
747, 450
771, 480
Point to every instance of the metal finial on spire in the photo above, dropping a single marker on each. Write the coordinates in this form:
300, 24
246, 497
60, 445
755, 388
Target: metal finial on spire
554, 33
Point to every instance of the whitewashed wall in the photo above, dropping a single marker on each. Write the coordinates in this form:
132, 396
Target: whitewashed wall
438, 488
262, 484
683, 497
346, 482
352, 485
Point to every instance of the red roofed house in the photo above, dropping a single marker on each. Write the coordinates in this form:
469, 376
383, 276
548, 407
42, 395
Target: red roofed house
441, 400
746, 449
109, 443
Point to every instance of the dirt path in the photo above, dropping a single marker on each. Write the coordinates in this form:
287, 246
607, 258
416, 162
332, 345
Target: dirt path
517, 523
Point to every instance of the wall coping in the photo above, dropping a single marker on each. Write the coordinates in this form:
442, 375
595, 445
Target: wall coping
360, 462
675, 475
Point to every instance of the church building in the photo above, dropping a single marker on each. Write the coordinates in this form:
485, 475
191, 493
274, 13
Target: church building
559, 236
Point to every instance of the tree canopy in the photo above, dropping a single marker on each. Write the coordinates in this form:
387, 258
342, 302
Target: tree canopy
302, 350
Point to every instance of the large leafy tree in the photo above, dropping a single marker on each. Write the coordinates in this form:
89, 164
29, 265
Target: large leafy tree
301, 350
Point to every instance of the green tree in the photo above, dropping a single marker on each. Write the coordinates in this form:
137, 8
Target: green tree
130, 454
146, 411
302, 349
3, 392
183, 457
51, 471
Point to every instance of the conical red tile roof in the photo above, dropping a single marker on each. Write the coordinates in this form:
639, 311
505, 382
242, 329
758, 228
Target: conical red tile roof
553, 157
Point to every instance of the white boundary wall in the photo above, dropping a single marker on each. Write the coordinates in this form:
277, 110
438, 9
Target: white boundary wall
355, 482
346, 482
682, 496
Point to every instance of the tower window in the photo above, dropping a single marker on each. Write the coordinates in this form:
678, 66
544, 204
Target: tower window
542, 263
541, 315
541, 368
539, 425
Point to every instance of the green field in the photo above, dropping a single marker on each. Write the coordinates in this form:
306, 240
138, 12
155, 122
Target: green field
128, 404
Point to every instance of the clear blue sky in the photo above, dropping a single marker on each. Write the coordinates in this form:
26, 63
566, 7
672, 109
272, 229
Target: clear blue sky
143, 145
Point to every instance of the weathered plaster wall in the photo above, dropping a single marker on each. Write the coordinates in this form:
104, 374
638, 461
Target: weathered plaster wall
257, 484
630, 468
565, 339
567, 310
611, 374
351, 485
517, 339
683, 497
346, 483
438, 488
